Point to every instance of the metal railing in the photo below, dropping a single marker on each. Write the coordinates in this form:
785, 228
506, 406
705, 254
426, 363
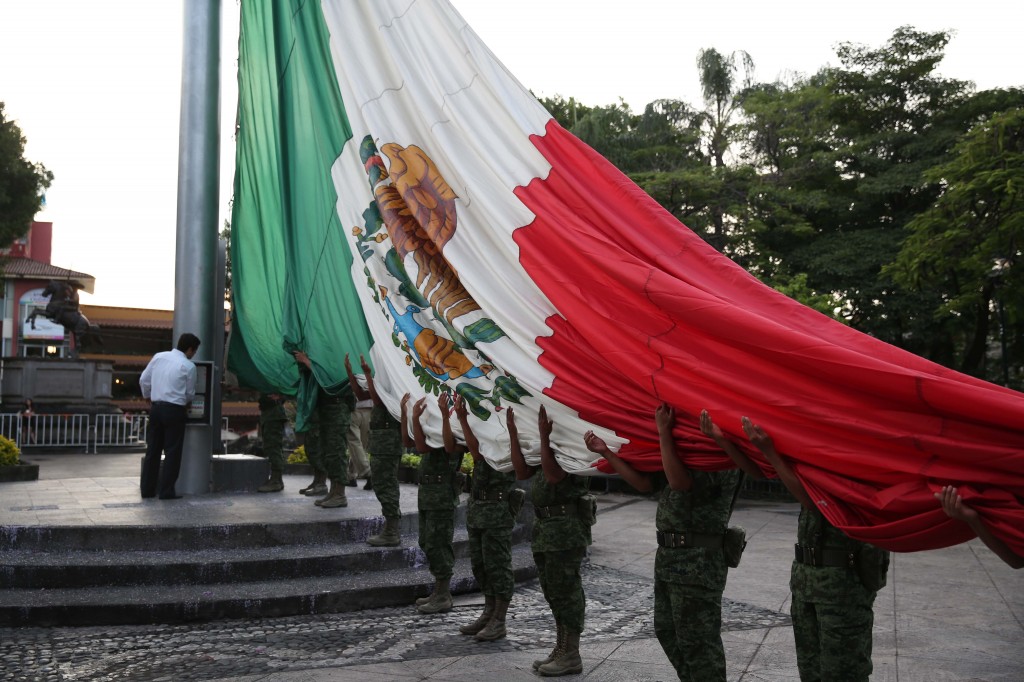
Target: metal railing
75, 430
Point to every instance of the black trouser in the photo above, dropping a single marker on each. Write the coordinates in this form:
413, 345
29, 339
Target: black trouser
167, 435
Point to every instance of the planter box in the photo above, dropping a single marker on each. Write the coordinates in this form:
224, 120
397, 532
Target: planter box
19, 472
298, 469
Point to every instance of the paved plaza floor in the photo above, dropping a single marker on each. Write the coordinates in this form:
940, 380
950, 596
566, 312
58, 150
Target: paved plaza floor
952, 614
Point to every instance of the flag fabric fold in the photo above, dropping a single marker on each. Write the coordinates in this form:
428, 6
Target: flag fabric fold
486, 252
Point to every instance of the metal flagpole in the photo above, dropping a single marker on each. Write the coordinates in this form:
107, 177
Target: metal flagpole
196, 245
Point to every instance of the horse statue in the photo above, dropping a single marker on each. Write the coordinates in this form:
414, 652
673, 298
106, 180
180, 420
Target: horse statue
63, 309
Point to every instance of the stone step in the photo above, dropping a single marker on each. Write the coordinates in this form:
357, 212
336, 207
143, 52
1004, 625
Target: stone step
259, 599
342, 526
59, 568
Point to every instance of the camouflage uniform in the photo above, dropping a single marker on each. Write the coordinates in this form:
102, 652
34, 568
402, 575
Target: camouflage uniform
689, 580
489, 521
559, 545
385, 455
832, 610
272, 421
327, 435
437, 501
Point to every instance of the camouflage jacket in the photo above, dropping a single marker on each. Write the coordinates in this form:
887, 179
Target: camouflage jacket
826, 584
490, 513
437, 490
703, 509
385, 434
567, 531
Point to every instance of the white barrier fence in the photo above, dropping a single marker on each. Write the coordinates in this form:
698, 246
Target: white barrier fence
75, 430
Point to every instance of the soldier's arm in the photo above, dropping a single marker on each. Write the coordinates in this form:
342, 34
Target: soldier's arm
472, 443
957, 509
418, 437
359, 392
639, 481
447, 437
553, 473
763, 442
522, 469
678, 475
709, 428
370, 386
406, 440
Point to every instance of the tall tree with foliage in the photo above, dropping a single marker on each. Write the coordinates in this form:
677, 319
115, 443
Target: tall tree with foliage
22, 182
967, 246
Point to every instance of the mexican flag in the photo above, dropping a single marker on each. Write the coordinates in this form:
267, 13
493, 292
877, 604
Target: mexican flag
399, 194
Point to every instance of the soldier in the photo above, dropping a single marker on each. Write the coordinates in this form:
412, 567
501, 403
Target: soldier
272, 422
690, 568
325, 436
437, 501
561, 533
489, 520
834, 581
385, 447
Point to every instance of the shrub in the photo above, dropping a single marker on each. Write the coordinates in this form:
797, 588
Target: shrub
410, 460
467, 464
9, 452
298, 456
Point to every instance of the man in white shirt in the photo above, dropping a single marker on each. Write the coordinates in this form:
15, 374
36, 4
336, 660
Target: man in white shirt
169, 381
358, 438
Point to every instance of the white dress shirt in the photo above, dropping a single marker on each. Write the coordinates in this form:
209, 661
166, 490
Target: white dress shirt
169, 377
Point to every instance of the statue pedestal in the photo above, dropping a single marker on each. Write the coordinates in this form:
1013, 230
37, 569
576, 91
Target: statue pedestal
73, 386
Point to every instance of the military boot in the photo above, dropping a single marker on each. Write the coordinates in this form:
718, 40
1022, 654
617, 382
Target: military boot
317, 487
388, 537
335, 498
568, 661
478, 624
274, 484
557, 651
440, 601
423, 600
495, 628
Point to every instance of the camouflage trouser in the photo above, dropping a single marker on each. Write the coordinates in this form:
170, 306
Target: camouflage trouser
272, 433
833, 641
490, 554
358, 432
559, 573
688, 623
384, 470
325, 440
437, 530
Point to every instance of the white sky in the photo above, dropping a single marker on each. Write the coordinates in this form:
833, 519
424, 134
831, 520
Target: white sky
95, 86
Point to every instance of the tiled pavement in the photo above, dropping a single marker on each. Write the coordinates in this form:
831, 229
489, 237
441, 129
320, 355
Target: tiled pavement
953, 614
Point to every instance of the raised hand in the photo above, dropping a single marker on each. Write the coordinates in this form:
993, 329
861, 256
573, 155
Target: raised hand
419, 408
543, 423
758, 436
954, 506
460, 408
596, 444
364, 364
665, 417
708, 427
510, 421
348, 364
442, 403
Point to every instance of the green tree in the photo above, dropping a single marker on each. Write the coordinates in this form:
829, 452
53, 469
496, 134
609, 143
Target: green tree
967, 245
22, 182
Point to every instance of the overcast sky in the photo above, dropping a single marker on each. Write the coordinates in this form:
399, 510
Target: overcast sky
95, 86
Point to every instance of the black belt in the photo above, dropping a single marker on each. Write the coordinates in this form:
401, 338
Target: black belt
555, 510
165, 402
439, 478
824, 556
684, 539
490, 495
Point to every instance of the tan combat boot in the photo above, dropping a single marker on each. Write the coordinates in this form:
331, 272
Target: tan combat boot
568, 662
440, 601
317, 487
557, 651
495, 628
389, 536
274, 484
335, 498
478, 624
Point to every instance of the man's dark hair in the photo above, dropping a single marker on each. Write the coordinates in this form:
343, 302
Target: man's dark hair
188, 342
